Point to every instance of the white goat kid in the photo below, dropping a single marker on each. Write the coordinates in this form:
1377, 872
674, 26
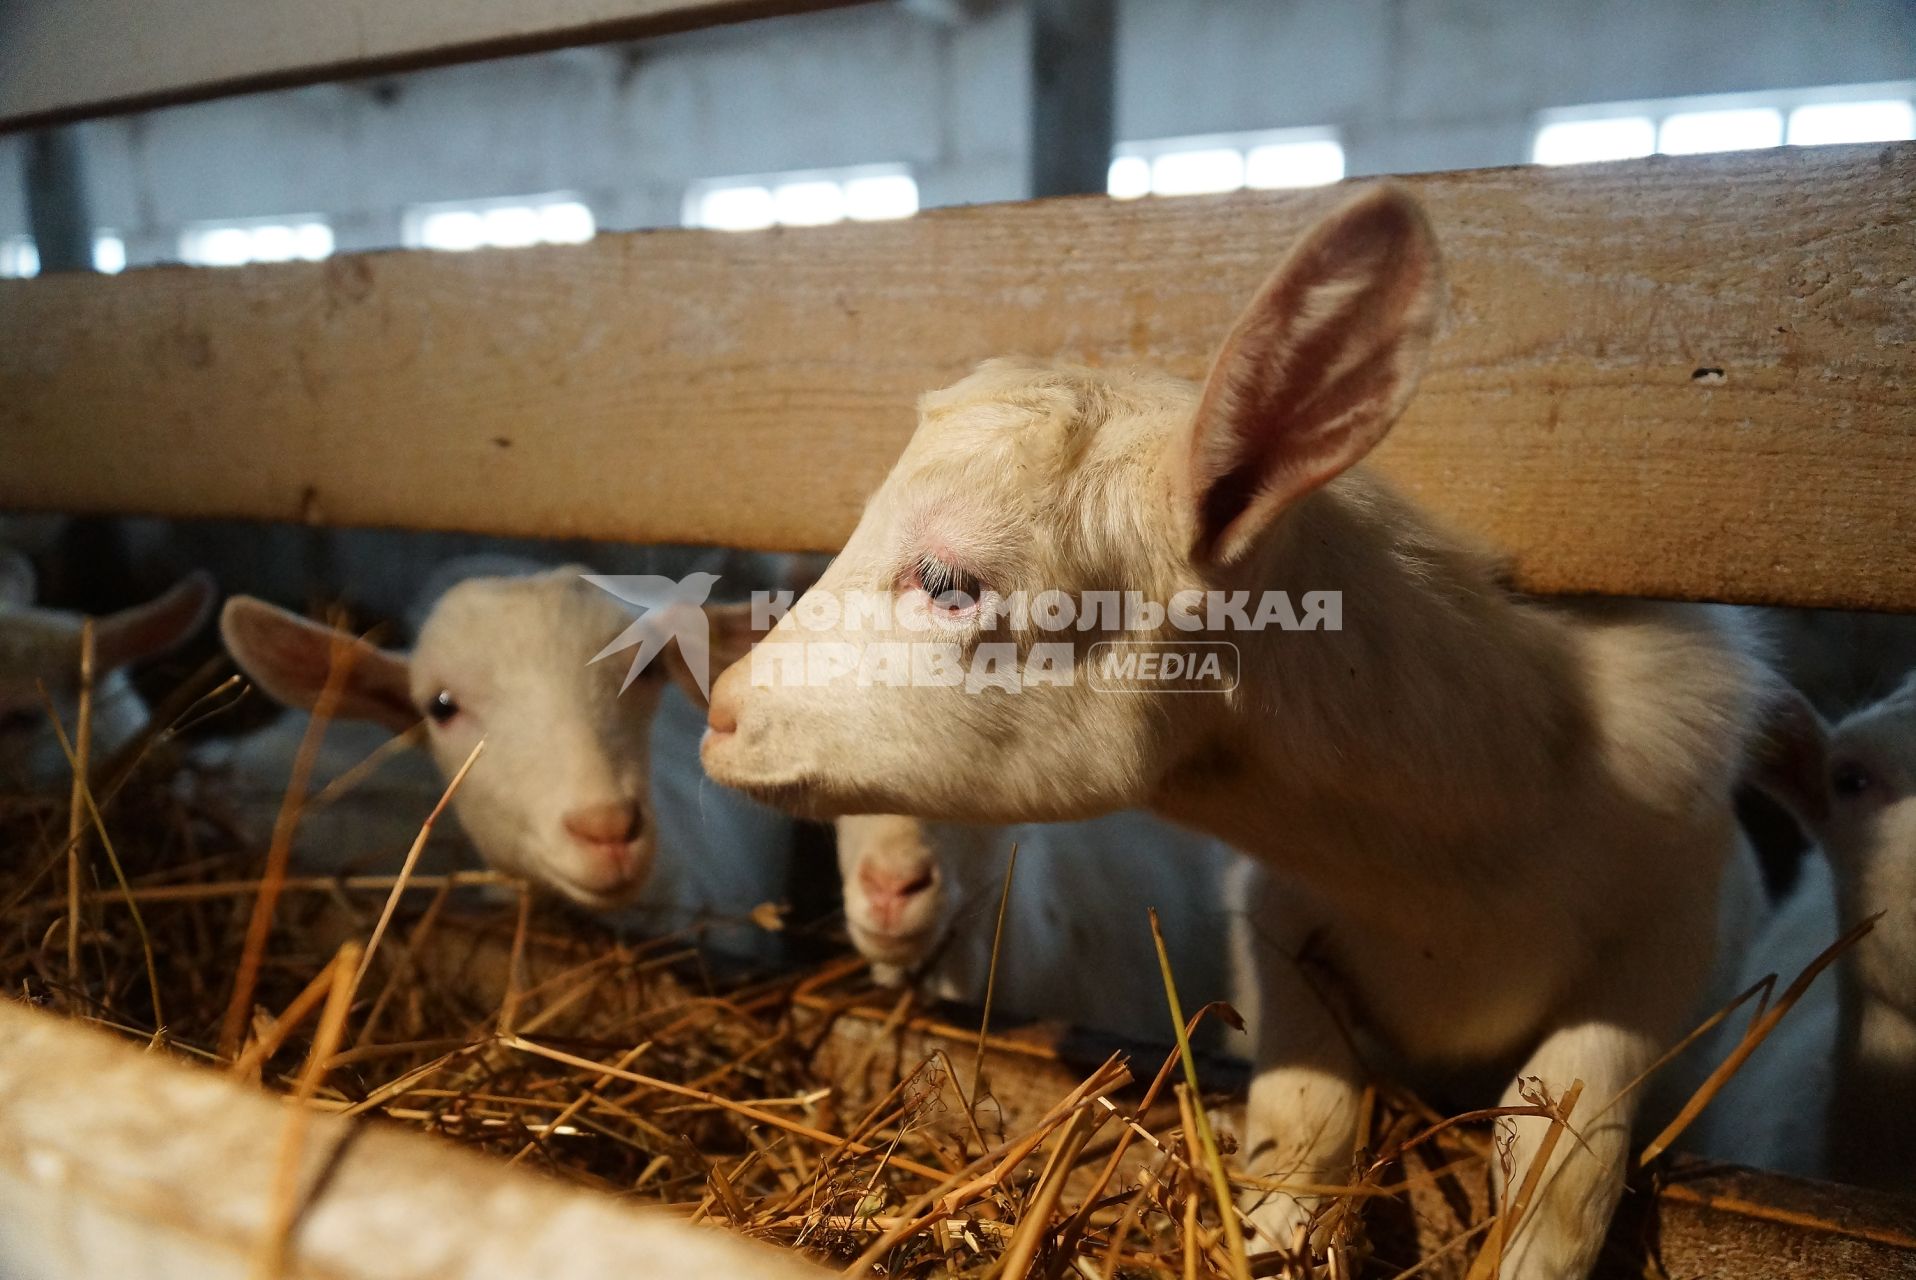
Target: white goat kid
584, 789
1832, 1092
1077, 943
559, 793
40, 649
1499, 824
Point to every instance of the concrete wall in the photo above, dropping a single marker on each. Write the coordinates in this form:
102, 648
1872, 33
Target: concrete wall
627, 127
1411, 84
1454, 84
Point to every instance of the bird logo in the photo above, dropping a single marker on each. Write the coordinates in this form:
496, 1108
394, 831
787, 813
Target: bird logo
670, 610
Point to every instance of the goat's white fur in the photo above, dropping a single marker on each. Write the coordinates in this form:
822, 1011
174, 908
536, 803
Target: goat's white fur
1077, 942
514, 647
1832, 1091
1499, 825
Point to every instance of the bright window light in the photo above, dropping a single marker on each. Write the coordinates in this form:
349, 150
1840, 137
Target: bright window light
1129, 178
19, 258
809, 204
814, 199
1883, 112
567, 222
875, 199
1196, 173
749, 208
1589, 141
312, 241
454, 229
1224, 162
218, 246
109, 253
499, 224
1690, 133
1822, 123
233, 244
512, 226
274, 244
1294, 164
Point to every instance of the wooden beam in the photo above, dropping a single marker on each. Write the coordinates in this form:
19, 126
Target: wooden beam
118, 1162
71, 59
1689, 378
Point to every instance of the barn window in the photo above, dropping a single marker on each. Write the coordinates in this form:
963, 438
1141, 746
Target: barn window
1689, 133
511, 223
232, 244
109, 253
1587, 141
20, 256
1884, 120
1726, 122
1225, 162
813, 198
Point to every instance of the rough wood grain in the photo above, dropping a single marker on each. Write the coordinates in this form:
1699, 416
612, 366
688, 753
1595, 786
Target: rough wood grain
1675, 377
1713, 1220
117, 1163
71, 59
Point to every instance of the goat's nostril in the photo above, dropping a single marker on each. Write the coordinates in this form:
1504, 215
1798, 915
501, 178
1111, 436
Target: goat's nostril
617, 823
894, 885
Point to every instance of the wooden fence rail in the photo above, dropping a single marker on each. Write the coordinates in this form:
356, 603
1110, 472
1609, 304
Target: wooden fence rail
71, 59
1692, 378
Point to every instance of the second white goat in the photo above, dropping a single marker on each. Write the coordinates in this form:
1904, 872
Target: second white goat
1077, 943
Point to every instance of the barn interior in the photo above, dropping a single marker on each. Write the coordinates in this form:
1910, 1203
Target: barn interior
658, 284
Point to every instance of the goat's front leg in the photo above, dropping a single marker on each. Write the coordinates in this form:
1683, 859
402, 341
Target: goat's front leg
1562, 1227
1301, 1116
1607, 1038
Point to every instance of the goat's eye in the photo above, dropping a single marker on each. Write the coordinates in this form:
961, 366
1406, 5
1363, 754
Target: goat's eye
953, 592
442, 708
1848, 778
18, 721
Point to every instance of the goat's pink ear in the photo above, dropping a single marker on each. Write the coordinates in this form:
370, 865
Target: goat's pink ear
17, 582
159, 626
1789, 759
732, 637
1315, 370
290, 658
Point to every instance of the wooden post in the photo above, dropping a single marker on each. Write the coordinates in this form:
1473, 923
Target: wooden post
57, 202
1073, 73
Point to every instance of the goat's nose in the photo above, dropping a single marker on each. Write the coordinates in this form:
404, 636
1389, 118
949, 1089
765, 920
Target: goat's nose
883, 885
721, 716
617, 823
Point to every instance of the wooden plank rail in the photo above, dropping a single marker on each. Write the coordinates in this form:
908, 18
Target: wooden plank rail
116, 1162
57, 65
1689, 378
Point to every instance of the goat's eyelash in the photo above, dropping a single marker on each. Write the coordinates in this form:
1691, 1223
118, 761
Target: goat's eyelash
940, 579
